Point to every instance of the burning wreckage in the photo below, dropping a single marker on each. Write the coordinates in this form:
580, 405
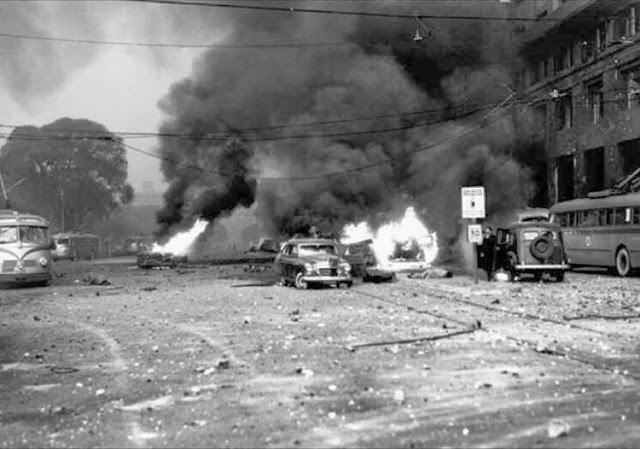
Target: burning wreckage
405, 246
172, 253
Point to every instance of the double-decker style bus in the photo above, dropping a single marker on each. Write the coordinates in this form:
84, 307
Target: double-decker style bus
601, 232
25, 248
75, 246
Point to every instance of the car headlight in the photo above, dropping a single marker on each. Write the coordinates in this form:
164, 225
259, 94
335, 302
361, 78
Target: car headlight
43, 261
308, 267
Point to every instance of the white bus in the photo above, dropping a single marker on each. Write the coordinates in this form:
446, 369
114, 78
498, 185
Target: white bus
601, 232
25, 249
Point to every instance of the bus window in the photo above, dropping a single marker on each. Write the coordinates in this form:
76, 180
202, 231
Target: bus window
604, 215
592, 217
572, 220
562, 219
636, 215
8, 234
619, 216
627, 215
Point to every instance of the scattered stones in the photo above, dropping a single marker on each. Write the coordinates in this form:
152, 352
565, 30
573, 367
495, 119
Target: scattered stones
151, 404
558, 428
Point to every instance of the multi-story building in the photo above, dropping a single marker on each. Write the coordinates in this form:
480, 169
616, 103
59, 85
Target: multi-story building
579, 72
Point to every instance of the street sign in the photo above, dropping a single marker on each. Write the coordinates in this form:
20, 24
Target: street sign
474, 233
473, 202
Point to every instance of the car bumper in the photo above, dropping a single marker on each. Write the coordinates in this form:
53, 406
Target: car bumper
543, 267
317, 279
25, 277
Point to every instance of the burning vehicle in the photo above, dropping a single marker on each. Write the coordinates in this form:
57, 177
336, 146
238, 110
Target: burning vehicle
308, 261
147, 258
173, 252
404, 246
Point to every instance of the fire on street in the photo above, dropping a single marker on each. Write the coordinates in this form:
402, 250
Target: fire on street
221, 356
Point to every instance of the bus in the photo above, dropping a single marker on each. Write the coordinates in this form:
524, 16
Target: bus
75, 246
25, 249
601, 231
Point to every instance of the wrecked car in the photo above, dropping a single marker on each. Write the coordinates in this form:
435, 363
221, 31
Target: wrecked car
529, 248
307, 261
146, 258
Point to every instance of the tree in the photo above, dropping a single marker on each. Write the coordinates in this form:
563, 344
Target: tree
74, 171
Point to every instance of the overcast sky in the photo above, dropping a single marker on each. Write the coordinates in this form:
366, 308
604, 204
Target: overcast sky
118, 86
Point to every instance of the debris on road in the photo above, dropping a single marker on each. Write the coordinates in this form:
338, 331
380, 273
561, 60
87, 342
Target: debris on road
96, 279
151, 404
432, 273
587, 316
470, 330
558, 428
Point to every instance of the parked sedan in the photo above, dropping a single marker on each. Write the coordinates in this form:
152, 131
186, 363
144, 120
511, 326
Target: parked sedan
302, 262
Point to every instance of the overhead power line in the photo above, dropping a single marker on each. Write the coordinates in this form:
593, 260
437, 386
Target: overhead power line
293, 9
175, 45
483, 120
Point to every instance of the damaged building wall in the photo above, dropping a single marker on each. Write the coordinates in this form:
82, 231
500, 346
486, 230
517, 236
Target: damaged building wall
586, 71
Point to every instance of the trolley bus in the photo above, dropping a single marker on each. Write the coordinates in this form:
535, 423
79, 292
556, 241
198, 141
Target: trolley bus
601, 232
25, 248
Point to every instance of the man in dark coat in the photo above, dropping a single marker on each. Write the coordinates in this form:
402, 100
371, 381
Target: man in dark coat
486, 252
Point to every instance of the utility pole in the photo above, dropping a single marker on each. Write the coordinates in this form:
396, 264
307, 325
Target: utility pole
7, 203
62, 224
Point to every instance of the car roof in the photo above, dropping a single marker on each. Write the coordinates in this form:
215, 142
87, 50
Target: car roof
311, 241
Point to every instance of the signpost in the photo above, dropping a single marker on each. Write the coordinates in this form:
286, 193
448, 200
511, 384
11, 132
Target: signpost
473, 207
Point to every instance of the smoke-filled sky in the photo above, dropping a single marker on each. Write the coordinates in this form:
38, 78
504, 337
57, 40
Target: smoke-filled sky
118, 86
260, 115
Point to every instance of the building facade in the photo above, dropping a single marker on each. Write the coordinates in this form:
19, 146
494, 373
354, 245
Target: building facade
579, 75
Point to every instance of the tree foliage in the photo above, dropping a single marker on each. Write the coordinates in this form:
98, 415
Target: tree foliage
73, 171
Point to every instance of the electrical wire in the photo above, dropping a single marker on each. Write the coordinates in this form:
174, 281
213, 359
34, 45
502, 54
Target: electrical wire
178, 45
345, 12
483, 121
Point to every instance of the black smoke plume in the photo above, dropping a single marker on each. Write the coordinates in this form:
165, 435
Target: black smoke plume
275, 126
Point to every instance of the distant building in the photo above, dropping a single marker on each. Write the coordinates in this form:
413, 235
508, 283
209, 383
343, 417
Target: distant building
147, 195
580, 75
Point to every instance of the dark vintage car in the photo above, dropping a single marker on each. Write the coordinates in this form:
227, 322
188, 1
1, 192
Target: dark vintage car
307, 261
533, 248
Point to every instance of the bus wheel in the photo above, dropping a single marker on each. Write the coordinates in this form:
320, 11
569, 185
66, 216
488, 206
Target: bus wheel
623, 263
559, 276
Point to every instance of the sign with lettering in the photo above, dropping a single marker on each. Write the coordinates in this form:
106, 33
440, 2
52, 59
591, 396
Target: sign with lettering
473, 202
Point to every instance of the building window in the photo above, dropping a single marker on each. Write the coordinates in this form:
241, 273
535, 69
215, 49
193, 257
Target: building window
595, 99
594, 169
564, 110
563, 59
564, 177
631, 79
629, 155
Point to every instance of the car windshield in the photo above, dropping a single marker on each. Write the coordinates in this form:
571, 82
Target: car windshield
62, 241
317, 250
